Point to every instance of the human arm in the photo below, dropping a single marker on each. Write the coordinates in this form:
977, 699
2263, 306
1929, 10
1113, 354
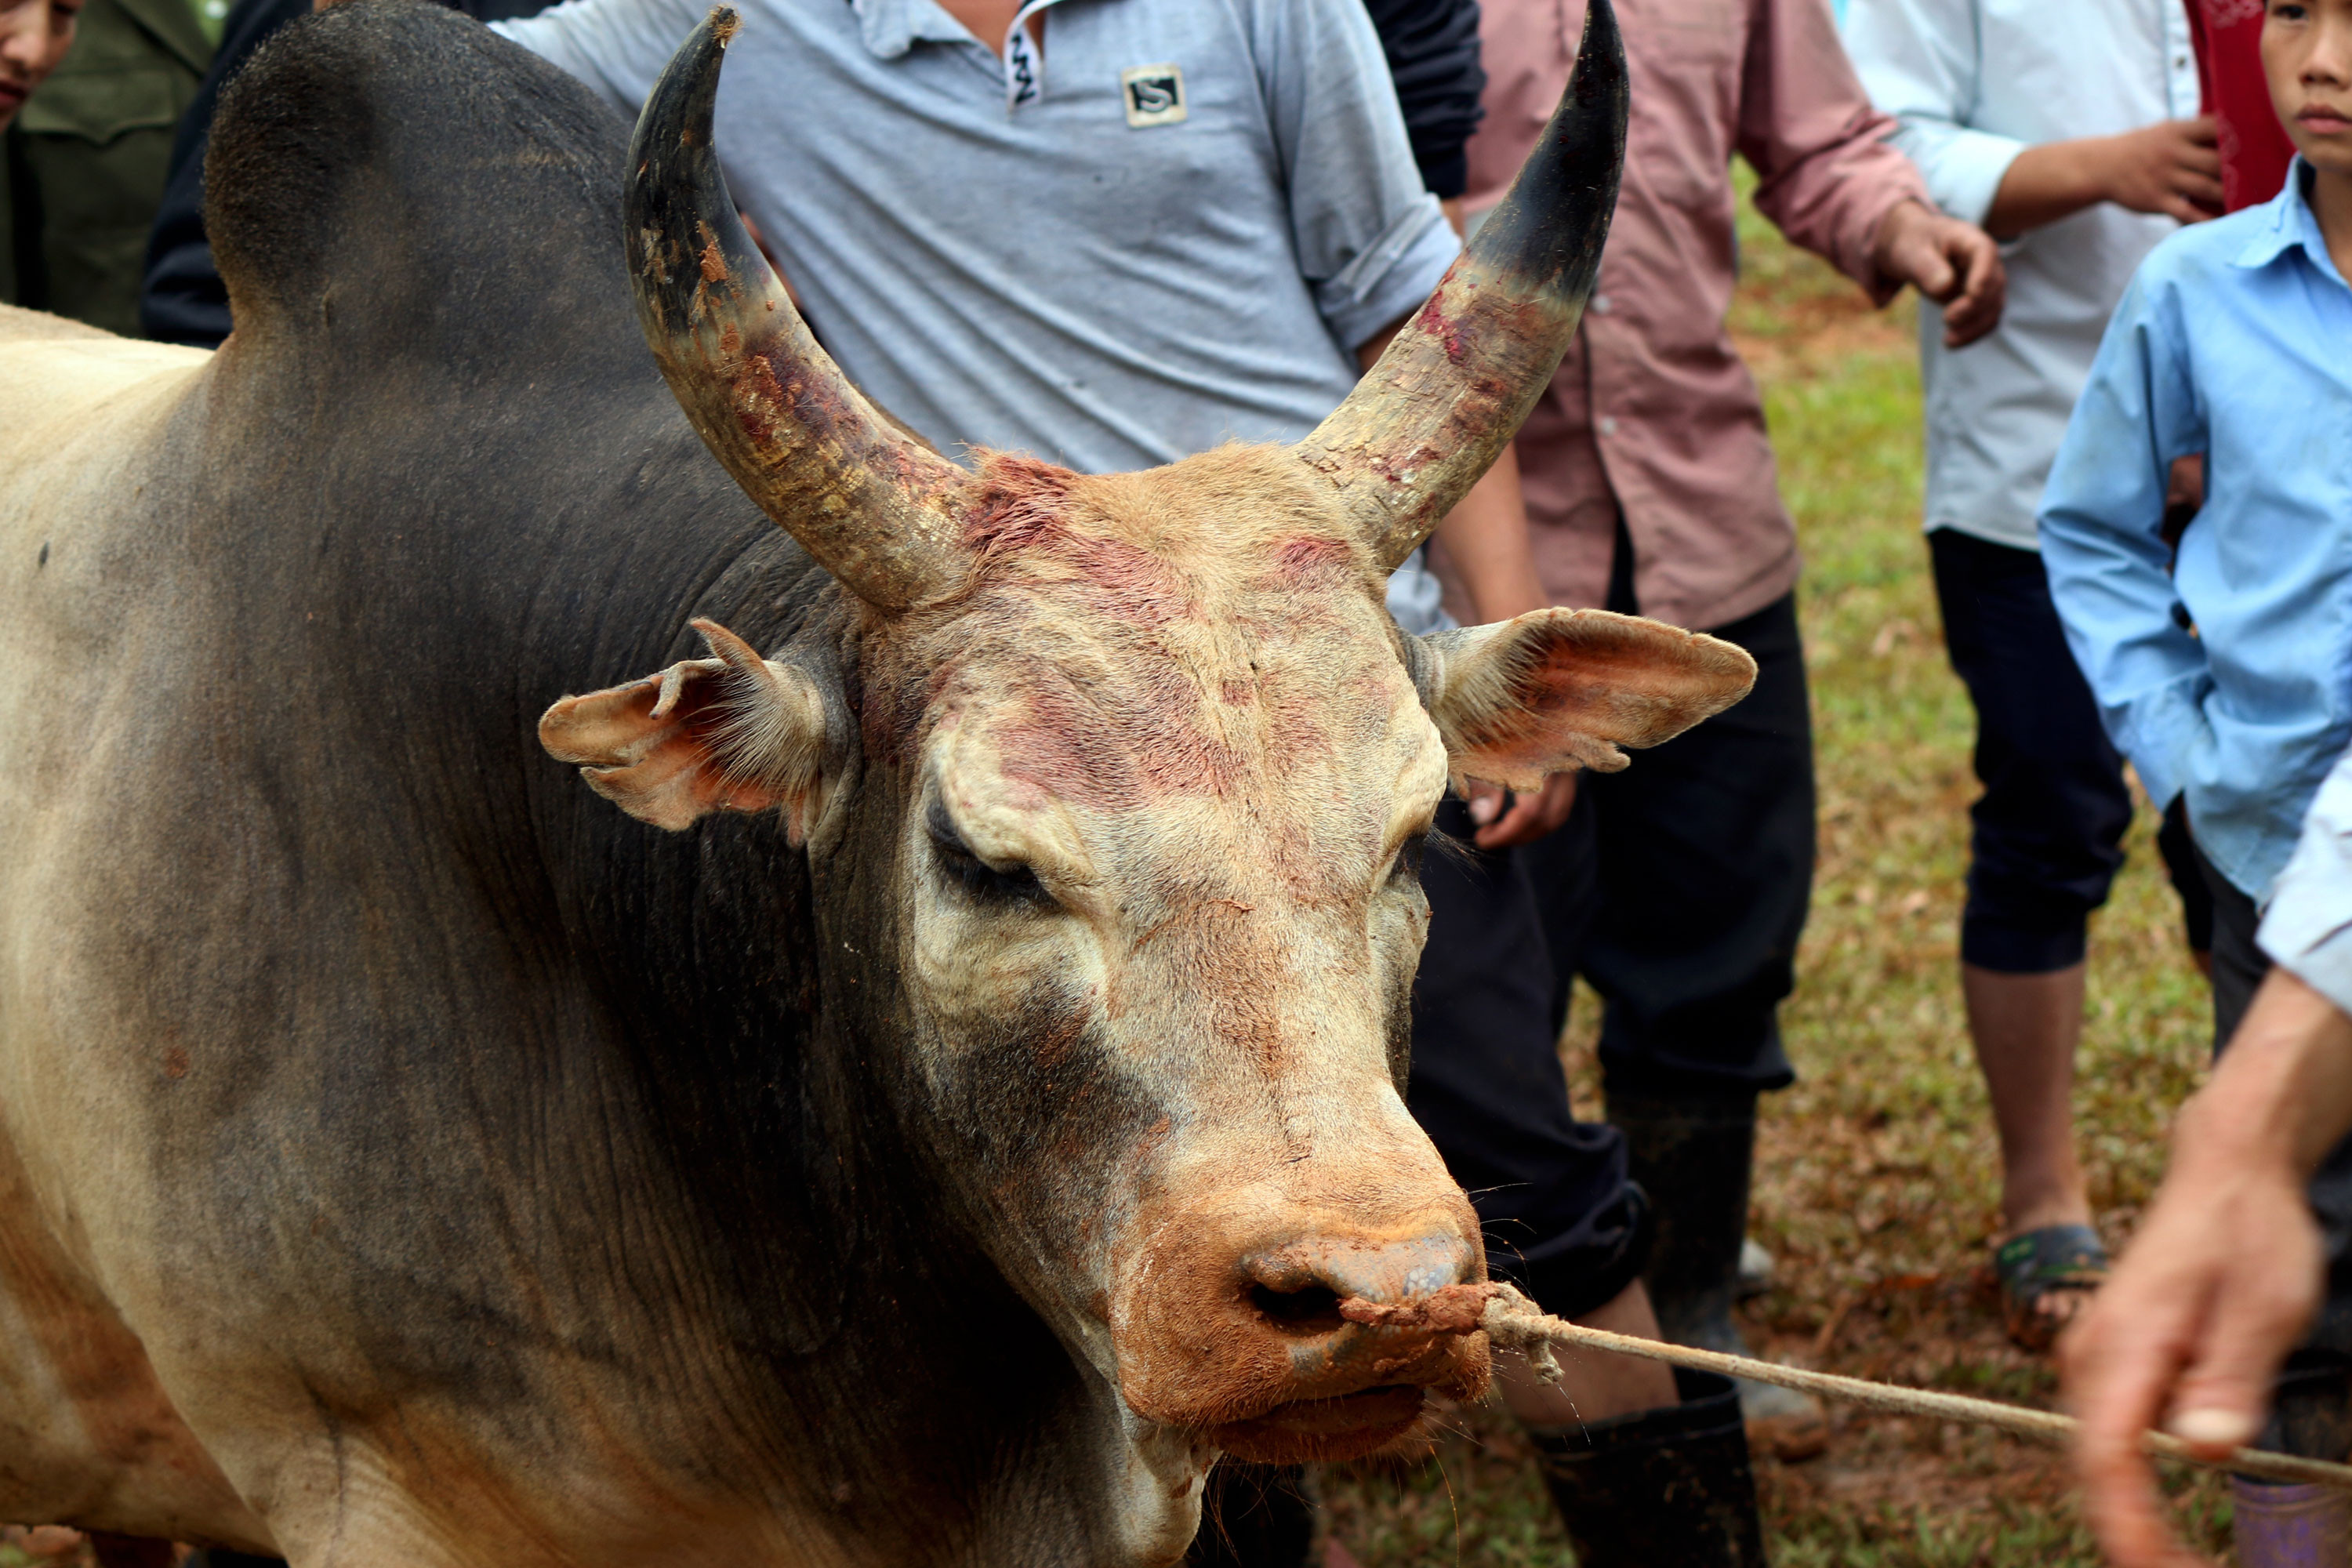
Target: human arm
1829, 178
2102, 535
1433, 59
2224, 1274
2172, 167
617, 47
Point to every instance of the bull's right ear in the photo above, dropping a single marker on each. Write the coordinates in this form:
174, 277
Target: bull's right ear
734, 732
1555, 691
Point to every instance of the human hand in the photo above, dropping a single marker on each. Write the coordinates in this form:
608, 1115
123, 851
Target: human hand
1953, 263
1529, 817
2172, 167
2191, 1327
2188, 1333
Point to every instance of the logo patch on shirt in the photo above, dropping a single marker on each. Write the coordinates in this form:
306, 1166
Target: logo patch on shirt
1154, 94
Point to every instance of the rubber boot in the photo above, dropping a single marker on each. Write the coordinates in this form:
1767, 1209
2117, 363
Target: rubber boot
1258, 1516
221, 1557
2311, 1416
2305, 1526
1692, 1156
1658, 1488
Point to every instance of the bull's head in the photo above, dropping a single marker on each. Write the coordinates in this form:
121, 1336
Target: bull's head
1147, 771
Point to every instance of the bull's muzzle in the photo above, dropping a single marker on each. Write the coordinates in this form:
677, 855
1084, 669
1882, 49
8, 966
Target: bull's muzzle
1249, 1344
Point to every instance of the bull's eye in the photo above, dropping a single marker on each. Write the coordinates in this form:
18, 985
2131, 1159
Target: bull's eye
988, 884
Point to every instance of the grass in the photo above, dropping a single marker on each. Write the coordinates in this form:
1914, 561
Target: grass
1876, 1180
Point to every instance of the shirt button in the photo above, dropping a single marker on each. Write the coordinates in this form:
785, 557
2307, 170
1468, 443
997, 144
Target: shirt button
1607, 425
1601, 305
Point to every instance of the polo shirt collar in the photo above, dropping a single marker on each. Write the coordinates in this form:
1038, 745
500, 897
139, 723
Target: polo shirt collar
2288, 224
891, 28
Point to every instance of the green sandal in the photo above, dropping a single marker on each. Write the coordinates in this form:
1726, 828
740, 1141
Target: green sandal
2036, 1265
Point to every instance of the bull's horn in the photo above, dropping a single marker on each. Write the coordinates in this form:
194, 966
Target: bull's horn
1453, 386
874, 506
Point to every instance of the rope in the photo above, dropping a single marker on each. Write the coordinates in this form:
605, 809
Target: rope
1514, 1322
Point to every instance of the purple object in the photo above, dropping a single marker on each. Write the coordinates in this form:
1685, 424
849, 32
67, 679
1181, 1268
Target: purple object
2300, 1526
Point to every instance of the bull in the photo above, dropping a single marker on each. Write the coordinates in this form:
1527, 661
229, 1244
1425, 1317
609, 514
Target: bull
944, 1107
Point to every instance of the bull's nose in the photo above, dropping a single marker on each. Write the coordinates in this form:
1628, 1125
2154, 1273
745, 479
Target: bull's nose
1297, 1287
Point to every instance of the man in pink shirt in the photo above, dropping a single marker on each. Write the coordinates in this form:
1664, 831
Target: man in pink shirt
1680, 888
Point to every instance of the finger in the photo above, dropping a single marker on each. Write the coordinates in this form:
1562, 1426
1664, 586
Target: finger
1523, 824
2204, 189
2219, 1401
2119, 1366
1485, 802
1931, 274
2182, 210
2203, 131
2203, 160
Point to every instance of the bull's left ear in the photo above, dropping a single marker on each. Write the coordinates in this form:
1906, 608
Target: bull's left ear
1560, 689
733, 733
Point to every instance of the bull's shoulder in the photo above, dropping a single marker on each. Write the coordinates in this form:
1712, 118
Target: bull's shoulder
18, 325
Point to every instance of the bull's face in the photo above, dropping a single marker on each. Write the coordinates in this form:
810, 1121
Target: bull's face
1151, 773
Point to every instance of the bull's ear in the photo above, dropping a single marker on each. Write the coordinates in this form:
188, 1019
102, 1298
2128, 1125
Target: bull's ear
1560, 689
735, 733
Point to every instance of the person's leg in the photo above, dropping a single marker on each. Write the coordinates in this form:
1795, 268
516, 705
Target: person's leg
1704, 858
2047, 841
1565, 1224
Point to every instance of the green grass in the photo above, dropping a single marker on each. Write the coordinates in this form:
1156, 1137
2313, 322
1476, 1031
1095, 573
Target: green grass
1876, 1182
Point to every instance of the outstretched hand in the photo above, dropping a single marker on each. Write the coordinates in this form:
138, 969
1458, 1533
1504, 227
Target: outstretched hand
2221, 1279
1953, 263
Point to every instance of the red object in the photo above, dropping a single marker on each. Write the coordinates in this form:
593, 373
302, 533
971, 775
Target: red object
2255, 150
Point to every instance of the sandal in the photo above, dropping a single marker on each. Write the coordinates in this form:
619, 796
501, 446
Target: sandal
2038, 1264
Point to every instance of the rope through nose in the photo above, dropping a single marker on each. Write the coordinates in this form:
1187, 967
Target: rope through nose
1512, 1322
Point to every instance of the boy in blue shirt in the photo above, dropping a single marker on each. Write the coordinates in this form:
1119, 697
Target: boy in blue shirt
2223, 669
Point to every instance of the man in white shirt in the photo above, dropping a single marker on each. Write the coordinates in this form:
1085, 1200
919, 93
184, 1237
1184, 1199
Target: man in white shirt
2065, 132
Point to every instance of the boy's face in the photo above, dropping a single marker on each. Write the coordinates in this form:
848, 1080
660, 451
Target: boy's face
2307, 54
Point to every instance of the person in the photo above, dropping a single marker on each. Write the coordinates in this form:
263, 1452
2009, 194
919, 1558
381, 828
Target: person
2255, 150
86, 157
2070, 134
2225, 1274
34, 37
1679, 888
1112, 236
2220, 677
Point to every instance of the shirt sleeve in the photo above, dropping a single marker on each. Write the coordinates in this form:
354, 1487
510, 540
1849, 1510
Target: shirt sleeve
1827, 175
2103, 545
2308, 927
1918, 60
1433, 59
617, 47
1368, 237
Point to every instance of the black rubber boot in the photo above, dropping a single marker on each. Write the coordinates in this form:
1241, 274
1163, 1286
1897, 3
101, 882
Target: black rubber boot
1658, 1488
1693, 1157
1257, 1516
221, 1557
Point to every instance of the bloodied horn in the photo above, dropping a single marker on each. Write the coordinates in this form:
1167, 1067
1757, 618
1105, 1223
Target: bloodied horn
1453, 386
871, 502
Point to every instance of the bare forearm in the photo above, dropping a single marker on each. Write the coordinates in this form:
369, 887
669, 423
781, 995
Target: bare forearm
2284, 1088
2044, 183
1486, 538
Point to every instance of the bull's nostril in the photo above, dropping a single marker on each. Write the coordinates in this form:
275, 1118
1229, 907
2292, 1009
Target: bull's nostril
1315, 1309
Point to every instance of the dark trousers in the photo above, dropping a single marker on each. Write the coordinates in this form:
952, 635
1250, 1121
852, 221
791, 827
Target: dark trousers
1679, 886
1560, 1217
2048, 831
2312, 1404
